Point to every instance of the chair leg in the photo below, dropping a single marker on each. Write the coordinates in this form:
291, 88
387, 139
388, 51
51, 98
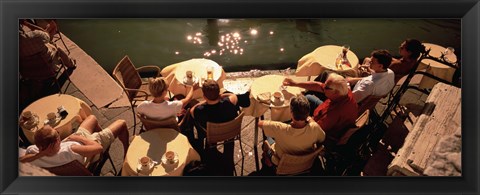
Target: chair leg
113, 165
243, 157
65, 71
134, 118
61, 39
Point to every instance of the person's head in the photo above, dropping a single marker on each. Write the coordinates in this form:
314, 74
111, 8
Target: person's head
211, 90
157, 86
46, 136
411, 48
300, 107
381, 60
335, 86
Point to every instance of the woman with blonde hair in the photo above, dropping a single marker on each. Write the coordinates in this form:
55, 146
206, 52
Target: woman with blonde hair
160, 107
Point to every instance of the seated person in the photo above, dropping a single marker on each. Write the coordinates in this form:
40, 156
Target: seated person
379, 83
49, 26
298, 137
216, 108
160, 108
410, 50
85, 145
338, 112
36, 41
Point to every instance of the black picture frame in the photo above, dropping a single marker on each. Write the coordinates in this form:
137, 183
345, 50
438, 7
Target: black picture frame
467, 10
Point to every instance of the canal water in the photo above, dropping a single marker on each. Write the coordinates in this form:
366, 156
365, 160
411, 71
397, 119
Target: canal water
245, 44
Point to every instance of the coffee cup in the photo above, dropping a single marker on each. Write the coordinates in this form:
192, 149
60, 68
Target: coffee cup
170, 156
145, 162
27, 115
277, 101
189, 74
51, 116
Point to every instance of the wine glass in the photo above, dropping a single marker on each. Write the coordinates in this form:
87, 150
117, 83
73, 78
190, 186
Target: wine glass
286, 73
345, 48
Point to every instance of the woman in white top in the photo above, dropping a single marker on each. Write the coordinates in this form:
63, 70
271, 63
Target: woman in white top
160, 108
85, 145
50, 151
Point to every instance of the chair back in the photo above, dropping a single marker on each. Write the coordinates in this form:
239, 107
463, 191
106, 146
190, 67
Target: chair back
369, 103
127, 76
170, 122
73, 168
296, 164
361, 121
217, 132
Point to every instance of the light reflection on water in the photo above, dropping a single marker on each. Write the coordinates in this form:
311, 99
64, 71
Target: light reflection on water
244, 44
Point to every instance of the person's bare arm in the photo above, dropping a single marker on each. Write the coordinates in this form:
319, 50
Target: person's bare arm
193, 109
353, 80
31, 157
233, 98
89, 147
189, 95
260, 124
308, 85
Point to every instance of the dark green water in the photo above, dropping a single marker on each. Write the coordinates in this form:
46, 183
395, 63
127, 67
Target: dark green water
278, 43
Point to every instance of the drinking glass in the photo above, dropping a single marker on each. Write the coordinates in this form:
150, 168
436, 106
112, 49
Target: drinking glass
209, 72
345, 48
286, 73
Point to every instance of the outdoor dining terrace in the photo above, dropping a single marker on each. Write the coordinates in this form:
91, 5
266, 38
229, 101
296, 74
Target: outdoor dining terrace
96, 92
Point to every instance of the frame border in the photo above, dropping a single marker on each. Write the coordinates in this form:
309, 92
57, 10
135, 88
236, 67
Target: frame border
467, 10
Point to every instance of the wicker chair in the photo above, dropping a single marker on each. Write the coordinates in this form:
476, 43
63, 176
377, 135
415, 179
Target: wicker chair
37, 67
76, 168
297, 164
369, 103
148, 124
221, 133
130, 80
55, 38
339, 156
361, 121
73, 168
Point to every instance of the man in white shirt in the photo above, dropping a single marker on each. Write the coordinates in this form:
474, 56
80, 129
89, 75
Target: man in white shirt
380, 82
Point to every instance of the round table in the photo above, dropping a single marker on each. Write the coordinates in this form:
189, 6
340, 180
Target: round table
174, 75
154, 143
270, 84
323, 58
435, 68
77, 110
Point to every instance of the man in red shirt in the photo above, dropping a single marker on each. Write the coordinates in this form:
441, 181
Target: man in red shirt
338, 112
